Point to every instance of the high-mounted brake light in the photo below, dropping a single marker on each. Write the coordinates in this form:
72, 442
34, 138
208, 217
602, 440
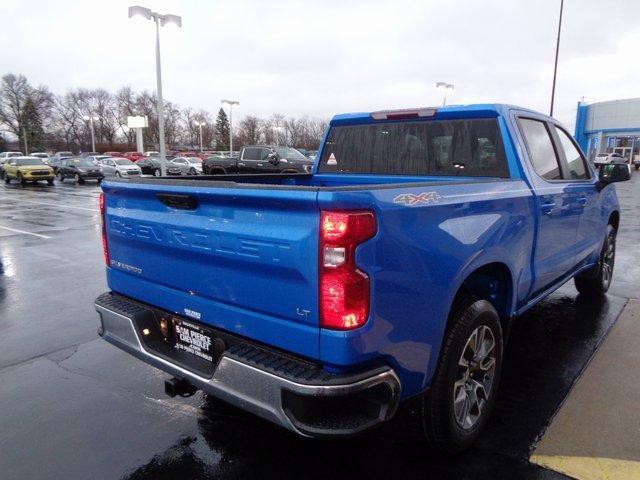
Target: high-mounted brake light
344, 289
405, 114
105, 249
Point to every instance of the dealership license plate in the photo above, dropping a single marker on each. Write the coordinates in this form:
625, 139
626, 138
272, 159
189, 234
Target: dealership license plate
194, 339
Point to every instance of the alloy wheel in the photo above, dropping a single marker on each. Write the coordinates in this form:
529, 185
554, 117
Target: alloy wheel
608, 260
476, 371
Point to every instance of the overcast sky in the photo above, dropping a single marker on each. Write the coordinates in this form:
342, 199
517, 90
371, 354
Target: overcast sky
320, 58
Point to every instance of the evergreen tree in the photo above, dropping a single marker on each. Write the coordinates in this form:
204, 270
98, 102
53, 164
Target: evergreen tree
32, 125
222, 130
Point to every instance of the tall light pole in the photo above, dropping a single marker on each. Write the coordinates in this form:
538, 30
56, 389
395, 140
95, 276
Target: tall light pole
91, 119
555, 66
200, 125
231, 103
160, 20
444, 86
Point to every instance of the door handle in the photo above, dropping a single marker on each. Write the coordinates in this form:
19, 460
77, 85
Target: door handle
241, 164
548, 207
583, 201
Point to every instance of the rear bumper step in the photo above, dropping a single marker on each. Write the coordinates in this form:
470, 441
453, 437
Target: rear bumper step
287, 391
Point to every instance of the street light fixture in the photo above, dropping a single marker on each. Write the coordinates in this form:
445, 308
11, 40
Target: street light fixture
200, 125
444, 86
91, 119
160, 20
231, 103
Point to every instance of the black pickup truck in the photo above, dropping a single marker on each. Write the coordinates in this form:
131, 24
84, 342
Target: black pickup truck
259, 159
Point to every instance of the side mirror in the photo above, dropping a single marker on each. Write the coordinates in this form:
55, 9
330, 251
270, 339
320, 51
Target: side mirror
614, 172
273, 158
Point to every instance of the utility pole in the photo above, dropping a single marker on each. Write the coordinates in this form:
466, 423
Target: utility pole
555, 67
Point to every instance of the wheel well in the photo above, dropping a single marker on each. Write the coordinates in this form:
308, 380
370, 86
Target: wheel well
491, 282
614, 219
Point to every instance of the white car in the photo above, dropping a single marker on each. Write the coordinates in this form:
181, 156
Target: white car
189, 165
606, 157
119, 167
151, 153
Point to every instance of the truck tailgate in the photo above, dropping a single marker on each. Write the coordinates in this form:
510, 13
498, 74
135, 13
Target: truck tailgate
244, 260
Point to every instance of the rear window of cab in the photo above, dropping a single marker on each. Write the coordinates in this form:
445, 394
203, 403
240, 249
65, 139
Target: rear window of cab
435, 147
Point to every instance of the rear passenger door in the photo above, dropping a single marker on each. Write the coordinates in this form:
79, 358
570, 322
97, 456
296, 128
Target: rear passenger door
249, 160
554, 252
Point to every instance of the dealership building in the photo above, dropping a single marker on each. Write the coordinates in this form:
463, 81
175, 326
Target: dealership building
609, 126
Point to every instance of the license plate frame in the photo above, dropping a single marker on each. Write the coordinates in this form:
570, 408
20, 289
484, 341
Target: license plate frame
194, 339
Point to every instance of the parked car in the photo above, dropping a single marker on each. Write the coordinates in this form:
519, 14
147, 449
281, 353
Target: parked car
189, 165
79, 169
97, 159
134, 156
187, 153
113, 154
4, 156
27, 169
260, 159
56, 159
43, 155
119, 167
151, 166
320, 302
608, 157
88, 154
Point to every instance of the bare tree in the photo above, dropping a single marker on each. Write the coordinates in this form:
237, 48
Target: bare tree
15, 93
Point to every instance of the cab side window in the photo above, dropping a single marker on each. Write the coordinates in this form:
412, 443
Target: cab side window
577, 169
540, 147
251, 154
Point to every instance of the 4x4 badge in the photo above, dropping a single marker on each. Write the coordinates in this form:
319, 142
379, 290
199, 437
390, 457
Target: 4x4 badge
411, 199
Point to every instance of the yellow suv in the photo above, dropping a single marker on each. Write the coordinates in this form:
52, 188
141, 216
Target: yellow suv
27, 169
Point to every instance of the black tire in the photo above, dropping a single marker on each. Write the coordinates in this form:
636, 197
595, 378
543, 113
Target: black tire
637, 166
157, 172
7, 180
597, 280
192, 171
21, 179
117, 174
60, 177
50, 181
446, 426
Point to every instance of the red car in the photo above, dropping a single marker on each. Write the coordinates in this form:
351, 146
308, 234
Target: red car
187, 153
134, 156
114, 154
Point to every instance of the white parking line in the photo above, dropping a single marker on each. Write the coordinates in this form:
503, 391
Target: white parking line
15, 230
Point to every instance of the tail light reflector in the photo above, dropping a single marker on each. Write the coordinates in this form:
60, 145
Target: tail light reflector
105, 249
344, 289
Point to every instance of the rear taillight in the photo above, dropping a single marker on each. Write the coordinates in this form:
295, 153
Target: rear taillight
105, 249
344, 289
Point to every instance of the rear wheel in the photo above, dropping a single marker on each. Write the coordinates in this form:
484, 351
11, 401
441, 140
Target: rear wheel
60, 177
462, 394
21, 179
7, 180
597, 280
192, 171
50, 181
637, 166
157, 172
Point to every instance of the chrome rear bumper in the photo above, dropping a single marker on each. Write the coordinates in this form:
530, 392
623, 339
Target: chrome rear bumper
326, 405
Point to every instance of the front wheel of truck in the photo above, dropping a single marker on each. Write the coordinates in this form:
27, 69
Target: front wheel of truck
462, 394
596, 280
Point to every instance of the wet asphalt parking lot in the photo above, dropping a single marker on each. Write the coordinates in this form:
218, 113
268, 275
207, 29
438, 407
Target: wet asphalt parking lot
74, 407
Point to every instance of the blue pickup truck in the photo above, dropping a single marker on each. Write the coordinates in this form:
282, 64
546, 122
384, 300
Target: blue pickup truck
322, 301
